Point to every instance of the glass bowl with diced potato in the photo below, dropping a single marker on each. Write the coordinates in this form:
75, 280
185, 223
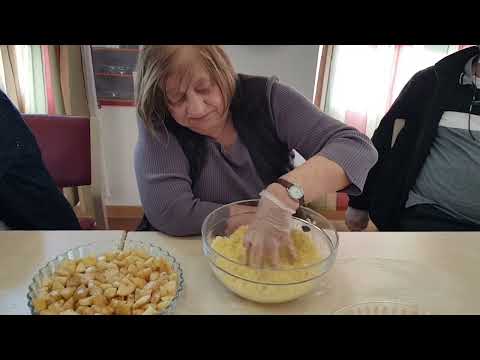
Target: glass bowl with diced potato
103, 279
315, 240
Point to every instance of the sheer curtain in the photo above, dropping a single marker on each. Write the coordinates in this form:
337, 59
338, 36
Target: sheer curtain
364, 80
31, 78
47, 79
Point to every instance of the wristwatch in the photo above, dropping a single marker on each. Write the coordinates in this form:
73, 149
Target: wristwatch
294, 191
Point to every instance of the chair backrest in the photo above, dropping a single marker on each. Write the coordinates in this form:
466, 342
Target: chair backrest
65, 145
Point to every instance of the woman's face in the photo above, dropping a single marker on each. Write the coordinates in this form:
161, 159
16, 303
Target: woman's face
196, 102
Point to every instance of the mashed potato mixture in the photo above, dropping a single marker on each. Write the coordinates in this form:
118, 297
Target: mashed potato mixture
272, 288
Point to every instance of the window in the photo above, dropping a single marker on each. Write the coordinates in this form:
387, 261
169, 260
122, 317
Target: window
357, 84
364, 80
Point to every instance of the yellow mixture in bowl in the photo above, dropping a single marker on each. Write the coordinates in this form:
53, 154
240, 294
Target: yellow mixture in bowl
285, 283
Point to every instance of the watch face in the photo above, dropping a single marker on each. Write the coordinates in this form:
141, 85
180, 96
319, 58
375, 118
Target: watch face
295, 192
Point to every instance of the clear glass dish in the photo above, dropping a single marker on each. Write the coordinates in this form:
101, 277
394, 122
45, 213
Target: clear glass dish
380, 308
283, 285
96, 249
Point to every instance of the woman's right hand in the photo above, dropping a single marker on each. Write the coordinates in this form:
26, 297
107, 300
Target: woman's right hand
356, 219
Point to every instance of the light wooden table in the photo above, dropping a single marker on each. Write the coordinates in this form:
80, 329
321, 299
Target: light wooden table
22, 253
438, 272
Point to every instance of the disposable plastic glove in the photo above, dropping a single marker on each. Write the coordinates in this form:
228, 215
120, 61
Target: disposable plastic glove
269, 232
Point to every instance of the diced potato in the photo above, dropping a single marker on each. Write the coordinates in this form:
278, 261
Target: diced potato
88, 311
151, 310
125, 290
119, 282
145, 273
123, 254
90, 261
142, 301
162, 305
101, 277
56, 307
85, 278
123, 309
142, 292
102, 310
111, 272
69, 266
139, 282
86, 301
120, 263
80, 293
149, 262
40, 304
43, 292
171, 287
152, 285
105, 286
155, 298
94, 291
69, 304
141, 253
132, 269
69, 312
130, 299
67, 293
47, 283
155, 275
91, 269
109, 256
47, 312
131, 260
62, 272
74, 281
55, 295
57, 286
99, 300
80, 267
110, 292
102, 265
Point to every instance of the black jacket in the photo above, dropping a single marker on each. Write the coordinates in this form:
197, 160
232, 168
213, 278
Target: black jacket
421, 103
29, 198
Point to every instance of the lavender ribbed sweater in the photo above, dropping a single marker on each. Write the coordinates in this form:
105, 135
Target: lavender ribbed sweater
162, 170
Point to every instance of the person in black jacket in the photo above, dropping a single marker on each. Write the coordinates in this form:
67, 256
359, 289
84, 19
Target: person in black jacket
29, 198
429, 179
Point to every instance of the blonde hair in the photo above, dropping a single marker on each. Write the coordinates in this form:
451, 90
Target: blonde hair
157, 62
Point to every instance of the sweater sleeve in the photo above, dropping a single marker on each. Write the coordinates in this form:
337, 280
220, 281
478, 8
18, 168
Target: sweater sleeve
165, 188
301, 125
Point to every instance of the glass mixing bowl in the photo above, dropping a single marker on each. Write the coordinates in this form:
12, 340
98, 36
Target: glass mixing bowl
268, 285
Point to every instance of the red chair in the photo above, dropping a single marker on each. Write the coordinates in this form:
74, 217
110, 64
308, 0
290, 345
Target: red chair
64, 142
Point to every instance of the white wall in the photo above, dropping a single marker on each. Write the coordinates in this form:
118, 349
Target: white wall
294, 64
119, 133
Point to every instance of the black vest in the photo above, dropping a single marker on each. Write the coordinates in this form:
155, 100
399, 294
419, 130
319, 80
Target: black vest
253, 119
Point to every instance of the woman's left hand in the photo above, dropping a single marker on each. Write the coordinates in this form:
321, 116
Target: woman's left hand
269, 231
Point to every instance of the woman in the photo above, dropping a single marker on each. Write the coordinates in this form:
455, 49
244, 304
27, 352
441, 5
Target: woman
209, 136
